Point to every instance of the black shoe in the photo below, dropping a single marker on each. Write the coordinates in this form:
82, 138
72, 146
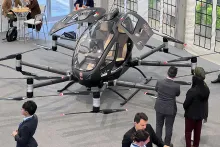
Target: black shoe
216, 81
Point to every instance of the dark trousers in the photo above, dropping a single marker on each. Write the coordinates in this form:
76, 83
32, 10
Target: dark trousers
169, 121
196, 126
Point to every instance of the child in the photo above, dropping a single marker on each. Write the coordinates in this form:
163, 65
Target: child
140, 138
24, 135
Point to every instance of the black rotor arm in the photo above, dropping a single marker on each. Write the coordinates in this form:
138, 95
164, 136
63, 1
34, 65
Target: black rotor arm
129, 84
138, 62
156, 49
158, 63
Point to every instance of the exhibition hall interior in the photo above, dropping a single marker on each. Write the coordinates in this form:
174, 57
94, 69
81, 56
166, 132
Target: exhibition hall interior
113, 73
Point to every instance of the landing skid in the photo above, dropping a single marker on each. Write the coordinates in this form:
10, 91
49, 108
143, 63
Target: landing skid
136, 91
67, 86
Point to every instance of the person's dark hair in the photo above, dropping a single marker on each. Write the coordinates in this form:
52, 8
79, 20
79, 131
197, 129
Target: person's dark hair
172, 72
140, 135
30, 107
140, 116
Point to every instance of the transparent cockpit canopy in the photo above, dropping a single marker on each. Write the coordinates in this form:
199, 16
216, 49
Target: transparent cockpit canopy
92, 45
89, 15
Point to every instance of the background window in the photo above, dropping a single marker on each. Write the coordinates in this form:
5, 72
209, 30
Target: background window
154, 14
169, 21
203, 23
131, 6
217, 38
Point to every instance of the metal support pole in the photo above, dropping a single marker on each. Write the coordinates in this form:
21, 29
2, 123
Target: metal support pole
194, 64
96, 102
46, 68
30, 82
18, 62
54, 43
51, 82
165, 41
65, 46
148, 63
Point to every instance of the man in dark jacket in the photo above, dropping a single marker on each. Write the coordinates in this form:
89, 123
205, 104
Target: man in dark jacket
140, 123
195, 107
165, 105
24, 135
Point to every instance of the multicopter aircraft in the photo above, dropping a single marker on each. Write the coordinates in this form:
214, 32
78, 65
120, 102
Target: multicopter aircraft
103, 53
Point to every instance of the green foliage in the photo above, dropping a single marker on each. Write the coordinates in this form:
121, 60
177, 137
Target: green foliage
218, 18
151, 3
204, 14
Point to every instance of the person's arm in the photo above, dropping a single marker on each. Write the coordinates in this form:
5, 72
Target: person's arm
178, 91
188, 100
126, 142
156, 87
32, 4
24, 136
154, 138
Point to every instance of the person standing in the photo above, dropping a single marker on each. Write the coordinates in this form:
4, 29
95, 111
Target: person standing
165, 105
26, 130
83, 4
34, 7
196, 107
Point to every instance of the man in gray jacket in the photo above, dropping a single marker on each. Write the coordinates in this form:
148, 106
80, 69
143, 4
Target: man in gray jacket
165, 105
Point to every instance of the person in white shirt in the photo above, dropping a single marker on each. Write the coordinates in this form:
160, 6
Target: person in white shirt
140, 138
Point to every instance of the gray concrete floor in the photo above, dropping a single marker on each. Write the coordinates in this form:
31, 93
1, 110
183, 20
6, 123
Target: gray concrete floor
94, 130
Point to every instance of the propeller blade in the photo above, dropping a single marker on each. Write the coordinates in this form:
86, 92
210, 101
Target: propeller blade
80, 92
76, 113
47, 48
8, 66
14, 55
148, 93
149, 46
42, 46
109, 111
188, 58
61, 94
37, 78
14, 98
155, 97
103, 111
28, 73
183, 82
174, 54
171, 39
24, 97
45, 77
153, 47
209, 72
